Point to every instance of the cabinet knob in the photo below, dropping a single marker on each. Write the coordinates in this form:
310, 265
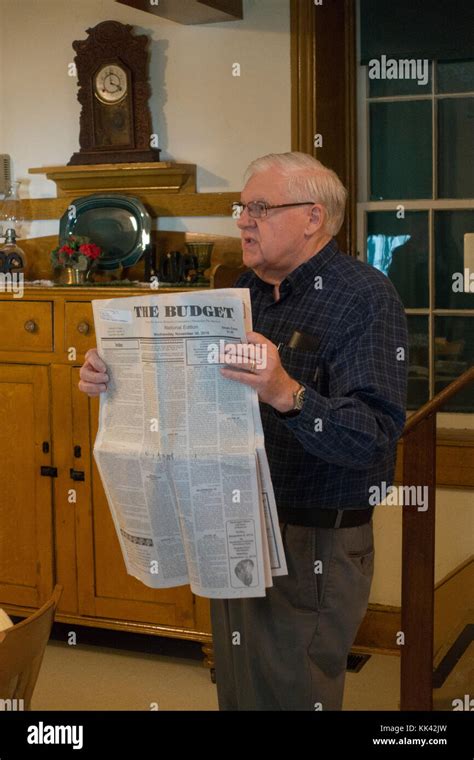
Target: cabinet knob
31, 326
83, 328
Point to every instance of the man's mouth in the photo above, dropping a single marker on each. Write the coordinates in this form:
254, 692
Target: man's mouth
246, 240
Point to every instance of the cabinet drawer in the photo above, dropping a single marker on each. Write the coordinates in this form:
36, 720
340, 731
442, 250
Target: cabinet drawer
26, 326
79, 331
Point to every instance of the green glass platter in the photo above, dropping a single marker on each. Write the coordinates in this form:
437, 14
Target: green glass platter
119, 224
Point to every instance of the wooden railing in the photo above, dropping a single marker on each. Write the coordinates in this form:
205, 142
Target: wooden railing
418, 552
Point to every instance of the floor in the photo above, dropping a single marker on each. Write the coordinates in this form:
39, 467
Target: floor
126, 672
105, 670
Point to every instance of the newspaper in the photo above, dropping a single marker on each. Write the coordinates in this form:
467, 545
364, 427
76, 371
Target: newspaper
180, 449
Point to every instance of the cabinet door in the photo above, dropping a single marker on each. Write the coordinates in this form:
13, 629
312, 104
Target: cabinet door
26, 556
105, 588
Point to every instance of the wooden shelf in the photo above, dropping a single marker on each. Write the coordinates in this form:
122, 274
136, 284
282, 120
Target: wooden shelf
191, 11
154, 177
164, 187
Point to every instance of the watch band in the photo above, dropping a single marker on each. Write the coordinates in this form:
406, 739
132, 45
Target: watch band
298, 400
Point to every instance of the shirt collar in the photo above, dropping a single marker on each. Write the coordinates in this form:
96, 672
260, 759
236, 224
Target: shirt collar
305, 273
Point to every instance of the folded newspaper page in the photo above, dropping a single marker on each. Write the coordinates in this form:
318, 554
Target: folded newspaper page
180, 449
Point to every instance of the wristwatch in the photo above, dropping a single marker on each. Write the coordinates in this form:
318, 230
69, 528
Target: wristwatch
298, 401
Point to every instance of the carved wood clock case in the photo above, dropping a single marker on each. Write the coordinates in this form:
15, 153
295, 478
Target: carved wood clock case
112, 71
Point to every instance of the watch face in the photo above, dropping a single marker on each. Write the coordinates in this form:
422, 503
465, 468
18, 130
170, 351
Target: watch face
111, 83
299, 397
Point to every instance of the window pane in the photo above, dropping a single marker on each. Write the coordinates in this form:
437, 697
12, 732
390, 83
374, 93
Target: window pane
454, 353
451, 284
418, 373
455, 76
400, 150
379, 88
456, 148
399, 249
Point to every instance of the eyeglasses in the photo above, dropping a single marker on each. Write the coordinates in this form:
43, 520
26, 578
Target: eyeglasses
259, 209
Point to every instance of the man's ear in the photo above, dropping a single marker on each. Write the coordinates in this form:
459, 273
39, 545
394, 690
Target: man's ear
317, 218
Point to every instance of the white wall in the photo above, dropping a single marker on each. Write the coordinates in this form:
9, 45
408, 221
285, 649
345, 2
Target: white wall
453, 545
202, 114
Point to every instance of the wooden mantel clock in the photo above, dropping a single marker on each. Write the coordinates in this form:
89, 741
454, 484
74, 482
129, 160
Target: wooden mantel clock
112, 71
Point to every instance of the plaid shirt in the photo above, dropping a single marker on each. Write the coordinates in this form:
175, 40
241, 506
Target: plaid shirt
344, 440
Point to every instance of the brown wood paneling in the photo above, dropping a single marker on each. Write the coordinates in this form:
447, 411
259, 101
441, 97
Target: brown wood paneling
454, 601
323, 74
454, 459
171, 204
303, 76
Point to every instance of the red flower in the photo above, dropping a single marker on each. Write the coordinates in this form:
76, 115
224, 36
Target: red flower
66, 249
90, 250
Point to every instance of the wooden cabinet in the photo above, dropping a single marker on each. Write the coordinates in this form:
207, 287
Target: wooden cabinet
56, 526
26, 514
26, 326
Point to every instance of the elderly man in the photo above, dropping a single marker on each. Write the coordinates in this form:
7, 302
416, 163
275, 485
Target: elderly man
332, 396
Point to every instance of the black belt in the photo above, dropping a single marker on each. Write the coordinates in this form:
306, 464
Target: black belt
325, 518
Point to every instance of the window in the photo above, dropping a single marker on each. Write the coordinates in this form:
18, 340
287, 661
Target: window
416, 208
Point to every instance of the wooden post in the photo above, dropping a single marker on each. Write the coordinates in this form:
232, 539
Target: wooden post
418, 545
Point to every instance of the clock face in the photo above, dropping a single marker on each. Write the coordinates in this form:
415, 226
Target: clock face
111, 83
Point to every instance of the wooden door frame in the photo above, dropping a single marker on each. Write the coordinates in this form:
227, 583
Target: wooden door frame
323, 93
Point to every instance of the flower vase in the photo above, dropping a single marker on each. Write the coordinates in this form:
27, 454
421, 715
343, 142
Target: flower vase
75, 276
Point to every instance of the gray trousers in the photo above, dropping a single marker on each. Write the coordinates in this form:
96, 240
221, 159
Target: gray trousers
292, 646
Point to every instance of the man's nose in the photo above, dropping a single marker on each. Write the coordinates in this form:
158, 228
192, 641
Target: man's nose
245, 220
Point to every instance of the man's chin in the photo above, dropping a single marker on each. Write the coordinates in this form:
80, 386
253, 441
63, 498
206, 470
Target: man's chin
251, 259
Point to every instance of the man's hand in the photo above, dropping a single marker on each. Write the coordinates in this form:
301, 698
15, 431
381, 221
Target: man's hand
272, 383
93, 373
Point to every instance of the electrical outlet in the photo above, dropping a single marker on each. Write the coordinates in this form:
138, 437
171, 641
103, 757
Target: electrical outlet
5, 173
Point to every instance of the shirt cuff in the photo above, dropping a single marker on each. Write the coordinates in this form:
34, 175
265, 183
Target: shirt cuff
310, 417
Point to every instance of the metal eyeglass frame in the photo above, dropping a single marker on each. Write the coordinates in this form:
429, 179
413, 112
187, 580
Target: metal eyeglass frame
264, 207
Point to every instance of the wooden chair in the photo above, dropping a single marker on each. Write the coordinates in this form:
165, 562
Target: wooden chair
22, 649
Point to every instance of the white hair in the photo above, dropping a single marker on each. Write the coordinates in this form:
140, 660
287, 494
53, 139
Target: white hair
308, 180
